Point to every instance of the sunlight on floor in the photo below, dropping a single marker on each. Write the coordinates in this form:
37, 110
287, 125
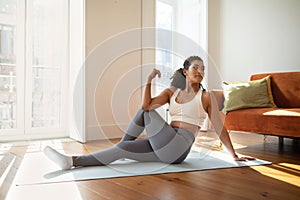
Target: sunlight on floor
285, 172
40, 145
5, 148
6, 163
292, 166
212, 143
58, 191
61, 191
34, 145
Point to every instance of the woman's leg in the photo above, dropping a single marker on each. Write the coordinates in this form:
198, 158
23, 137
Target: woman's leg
127, 148
139, 150
136, 127
169, 144
165, 143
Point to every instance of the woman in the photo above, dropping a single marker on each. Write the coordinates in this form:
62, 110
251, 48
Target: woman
168, 143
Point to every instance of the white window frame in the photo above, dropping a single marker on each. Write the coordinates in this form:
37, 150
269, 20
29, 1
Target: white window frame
23, 128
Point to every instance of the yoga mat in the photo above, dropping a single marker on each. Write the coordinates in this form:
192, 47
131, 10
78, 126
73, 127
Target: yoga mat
37, 169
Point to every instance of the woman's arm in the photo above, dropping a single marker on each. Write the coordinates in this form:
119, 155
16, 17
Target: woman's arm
150, 103
214, 116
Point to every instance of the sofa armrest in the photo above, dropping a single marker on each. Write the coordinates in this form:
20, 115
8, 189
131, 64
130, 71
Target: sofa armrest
219, 96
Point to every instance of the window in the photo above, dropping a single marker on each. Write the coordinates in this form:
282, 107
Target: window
164, 15
33, 67
174, 18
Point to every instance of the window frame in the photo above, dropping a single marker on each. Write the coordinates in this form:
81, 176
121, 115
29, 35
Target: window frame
24, 129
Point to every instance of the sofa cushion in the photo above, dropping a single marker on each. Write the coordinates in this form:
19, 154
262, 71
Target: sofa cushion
273, 121
285, 88
251, 94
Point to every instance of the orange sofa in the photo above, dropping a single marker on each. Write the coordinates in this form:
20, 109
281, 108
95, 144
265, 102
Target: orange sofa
283, 121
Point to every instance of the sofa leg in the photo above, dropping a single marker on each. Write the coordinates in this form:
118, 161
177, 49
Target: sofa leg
265, 138
280, 139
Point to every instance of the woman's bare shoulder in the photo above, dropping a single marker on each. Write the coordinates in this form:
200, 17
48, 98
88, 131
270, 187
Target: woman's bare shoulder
170, 91
205, 95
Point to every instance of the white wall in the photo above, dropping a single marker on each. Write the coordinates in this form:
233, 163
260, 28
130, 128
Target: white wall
252, 36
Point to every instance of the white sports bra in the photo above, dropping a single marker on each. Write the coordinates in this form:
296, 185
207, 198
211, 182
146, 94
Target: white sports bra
191, 112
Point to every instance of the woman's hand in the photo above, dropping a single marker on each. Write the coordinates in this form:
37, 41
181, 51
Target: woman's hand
243, 158
153, 74
149, 102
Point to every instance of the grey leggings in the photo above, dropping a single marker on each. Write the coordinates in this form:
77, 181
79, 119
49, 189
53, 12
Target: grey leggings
164, 143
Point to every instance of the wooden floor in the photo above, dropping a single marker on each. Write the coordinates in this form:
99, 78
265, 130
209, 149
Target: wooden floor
281, 180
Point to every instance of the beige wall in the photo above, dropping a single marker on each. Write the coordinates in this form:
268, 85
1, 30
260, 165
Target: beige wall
253, 36
115, 64
113, 72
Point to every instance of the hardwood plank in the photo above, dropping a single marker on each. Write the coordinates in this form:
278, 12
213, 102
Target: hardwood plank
159, 188
111, 190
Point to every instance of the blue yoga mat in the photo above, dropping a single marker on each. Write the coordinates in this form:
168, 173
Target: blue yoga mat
37, 169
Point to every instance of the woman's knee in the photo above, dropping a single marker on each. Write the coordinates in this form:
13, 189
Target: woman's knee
152, 115
148, 114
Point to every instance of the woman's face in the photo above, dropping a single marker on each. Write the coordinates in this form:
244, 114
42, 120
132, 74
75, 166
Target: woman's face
195, 73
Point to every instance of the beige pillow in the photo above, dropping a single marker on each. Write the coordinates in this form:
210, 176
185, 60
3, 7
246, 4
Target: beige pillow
251, 94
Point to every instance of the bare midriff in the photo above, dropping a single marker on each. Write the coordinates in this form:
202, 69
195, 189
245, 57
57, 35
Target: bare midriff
190, 127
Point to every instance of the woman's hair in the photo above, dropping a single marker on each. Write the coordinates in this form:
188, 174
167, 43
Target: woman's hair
178, 78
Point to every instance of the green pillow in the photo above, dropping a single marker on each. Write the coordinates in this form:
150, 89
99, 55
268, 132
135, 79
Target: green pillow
251, 94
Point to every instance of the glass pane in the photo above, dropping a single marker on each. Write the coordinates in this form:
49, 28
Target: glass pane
164, 20
8, 20
48, 40
163, 55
